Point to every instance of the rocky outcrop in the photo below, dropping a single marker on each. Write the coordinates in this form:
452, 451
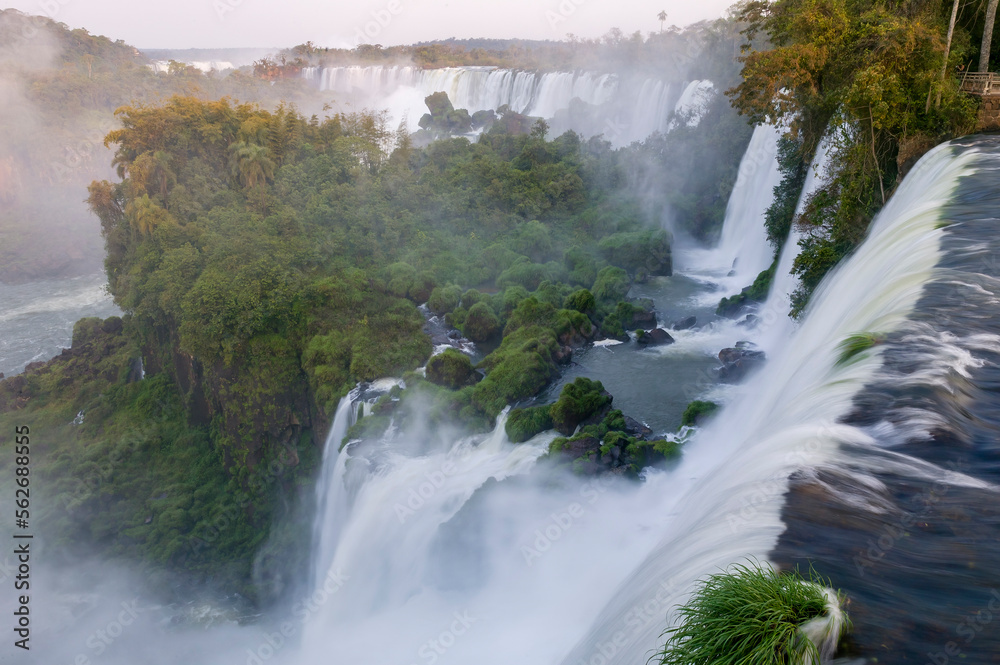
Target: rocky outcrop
739, 361
655, 337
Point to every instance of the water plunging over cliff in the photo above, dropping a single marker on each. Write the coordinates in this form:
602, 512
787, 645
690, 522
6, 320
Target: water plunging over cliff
652, 104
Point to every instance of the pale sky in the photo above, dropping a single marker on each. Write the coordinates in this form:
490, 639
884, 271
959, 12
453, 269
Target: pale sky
342, 23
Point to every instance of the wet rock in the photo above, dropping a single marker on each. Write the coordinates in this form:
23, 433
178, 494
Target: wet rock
636, 428
655, 337
749, 321
685, 324
739, 361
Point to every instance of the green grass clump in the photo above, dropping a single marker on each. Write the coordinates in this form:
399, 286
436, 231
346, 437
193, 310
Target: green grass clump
855, 344
697, 411
751, 615
522, 424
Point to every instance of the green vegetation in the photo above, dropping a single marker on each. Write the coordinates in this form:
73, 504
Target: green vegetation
757, 292
866, 72
451, 369
751, 614
697, 412
577, 402
522, 424
855, 344
607, 446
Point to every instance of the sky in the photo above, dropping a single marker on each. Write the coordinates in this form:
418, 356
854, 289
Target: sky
345, 23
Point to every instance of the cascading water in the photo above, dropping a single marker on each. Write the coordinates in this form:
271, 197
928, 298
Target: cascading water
743, 250
774, 313
457, 566
402, 89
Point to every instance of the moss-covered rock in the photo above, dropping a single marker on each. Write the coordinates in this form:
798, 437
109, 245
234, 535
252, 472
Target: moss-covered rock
579, 401
697, 412
444, 299
522, 424
646, 252
481, 324
451, 369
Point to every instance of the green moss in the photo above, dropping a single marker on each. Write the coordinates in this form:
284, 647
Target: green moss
639, 251
450, 369
697, 411
578, 401
481, 324
522, 424
524, 363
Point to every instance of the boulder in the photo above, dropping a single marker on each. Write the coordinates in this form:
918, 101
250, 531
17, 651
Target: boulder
739, 361
685, 324
654, 337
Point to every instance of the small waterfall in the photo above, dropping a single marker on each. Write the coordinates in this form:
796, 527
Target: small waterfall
743, 250
692, 103
775, 311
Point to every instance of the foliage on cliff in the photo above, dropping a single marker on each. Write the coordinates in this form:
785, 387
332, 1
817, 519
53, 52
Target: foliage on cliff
864, 71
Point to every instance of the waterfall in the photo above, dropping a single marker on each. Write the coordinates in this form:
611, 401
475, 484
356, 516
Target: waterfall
743, 250
775, 311
460, 549
631, 109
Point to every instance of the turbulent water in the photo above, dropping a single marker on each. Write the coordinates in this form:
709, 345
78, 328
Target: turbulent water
36, 319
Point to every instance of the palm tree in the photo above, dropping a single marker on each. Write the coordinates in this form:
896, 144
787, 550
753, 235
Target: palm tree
253, 166
984, 51
663, 17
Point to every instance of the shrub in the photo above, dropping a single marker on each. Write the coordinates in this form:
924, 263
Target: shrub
481, 324
522, 424
581, 301
451, 369
611, 285
697, 411
578, 401
754, 614
638, 250
444, 299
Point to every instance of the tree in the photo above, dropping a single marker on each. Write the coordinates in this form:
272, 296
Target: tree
947, 52
984, 51
663, 17
253, 166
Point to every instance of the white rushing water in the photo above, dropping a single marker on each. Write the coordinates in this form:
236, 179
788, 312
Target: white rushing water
636, 109
436, 562
743, 250
774, 313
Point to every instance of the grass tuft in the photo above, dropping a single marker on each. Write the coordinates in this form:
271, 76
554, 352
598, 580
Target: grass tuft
754, 615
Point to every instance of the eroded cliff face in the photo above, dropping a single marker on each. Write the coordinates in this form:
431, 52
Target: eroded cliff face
194, 473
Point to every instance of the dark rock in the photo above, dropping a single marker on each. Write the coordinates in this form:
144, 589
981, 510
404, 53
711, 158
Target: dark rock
34, 367
454, 334
749, 321
738, 362
655, 337
685, 324
635, 428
